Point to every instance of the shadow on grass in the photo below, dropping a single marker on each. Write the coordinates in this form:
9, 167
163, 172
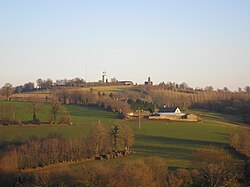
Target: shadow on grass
174, 148
164, 152
228, 118
179, 142
84, 111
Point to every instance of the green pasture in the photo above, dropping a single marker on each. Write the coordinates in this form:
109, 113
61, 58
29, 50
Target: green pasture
175, 142
82, 118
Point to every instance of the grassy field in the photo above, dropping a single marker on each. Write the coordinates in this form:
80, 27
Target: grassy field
175, 142
109, 89
82, 118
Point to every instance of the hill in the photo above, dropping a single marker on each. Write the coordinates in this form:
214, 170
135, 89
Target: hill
173, 141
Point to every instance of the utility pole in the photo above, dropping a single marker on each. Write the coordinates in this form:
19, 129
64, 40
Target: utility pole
139, 120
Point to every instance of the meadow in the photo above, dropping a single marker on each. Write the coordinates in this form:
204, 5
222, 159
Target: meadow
175, 142
109, 89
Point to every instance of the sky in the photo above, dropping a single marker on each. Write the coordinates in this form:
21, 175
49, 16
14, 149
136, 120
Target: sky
201, 43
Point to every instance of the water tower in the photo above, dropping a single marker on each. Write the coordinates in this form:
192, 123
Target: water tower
104, 77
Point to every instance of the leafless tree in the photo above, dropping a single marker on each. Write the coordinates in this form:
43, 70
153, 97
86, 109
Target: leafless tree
97, 140
217, 167
54, 111
7, 114
64, 115
127, 137
34, 107
247, 88
7, 90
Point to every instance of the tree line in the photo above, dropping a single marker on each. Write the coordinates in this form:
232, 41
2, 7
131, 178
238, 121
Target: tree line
236, 103
48, 84
184, 87
213, 167
56, 113
56, 149
93, 98
151, 97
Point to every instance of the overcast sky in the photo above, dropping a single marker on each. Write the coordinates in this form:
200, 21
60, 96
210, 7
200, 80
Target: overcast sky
199, 42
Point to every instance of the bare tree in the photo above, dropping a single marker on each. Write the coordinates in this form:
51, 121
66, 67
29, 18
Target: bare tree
127, 137
64, 115
97, 140
63, 95
18, 89
7, 90
113, 80
7, 114
225, 89
183, 86
49, 83
34, 107
209, 88
217, 167
247, 88
135, 174
124, 109
54, 111
39, 83
115, 135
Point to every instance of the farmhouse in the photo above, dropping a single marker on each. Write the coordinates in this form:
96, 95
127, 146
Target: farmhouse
170, 111
174, 114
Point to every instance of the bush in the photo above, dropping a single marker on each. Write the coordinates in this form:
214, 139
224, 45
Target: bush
217, 167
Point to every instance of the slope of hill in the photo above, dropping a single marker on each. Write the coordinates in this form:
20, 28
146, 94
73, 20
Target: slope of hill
173, 141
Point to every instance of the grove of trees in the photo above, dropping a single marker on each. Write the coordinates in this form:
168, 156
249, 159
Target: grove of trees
55, 149
217, 167
236, 103
7, 90
218, 170
93, 98
56, 113
7, 114
144, 97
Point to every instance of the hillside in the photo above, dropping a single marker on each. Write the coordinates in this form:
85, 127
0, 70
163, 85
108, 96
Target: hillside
173, 141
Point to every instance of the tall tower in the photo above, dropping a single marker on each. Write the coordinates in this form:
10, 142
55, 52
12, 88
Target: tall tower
149, 79
104, 77
149, 82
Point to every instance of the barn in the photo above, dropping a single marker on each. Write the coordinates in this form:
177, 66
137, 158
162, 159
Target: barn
174, 114
170, 111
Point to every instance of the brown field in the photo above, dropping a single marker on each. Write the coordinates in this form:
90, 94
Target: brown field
30, 96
